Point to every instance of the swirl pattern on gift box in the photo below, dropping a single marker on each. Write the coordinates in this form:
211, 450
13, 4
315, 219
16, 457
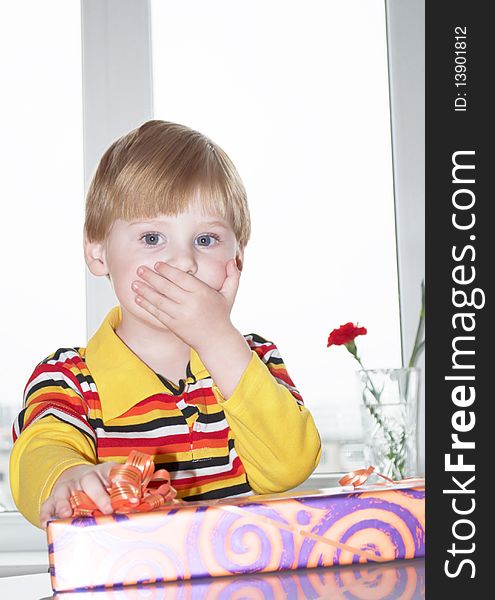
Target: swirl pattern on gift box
413, 493
145, 564
196, 562
244, 535
228, 541
390, 518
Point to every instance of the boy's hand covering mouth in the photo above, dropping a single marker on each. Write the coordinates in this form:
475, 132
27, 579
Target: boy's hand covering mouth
190, 308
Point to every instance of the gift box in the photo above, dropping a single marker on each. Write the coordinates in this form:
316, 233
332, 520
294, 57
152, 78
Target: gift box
400, 580
266, 533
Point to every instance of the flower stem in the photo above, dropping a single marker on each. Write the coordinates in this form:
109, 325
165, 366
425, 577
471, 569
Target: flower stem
395, 447
373, 389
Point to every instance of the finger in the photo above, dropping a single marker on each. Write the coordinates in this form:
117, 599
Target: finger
184, 280
94, 488
63, 509
161, 284
159, 306
60, 499
47, 511
104, 469
161, 300
64, 490
231, 282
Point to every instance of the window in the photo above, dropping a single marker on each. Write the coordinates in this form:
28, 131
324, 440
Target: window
297, 94
43, 299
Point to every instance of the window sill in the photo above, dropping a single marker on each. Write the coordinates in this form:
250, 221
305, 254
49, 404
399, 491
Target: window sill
23, 547
18, 535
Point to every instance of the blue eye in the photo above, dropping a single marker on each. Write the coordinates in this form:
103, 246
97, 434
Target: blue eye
152, 238
205, 236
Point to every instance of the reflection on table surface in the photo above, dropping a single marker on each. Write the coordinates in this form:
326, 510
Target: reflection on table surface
403, 580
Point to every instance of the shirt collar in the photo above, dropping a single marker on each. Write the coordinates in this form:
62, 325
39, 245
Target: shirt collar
122, 378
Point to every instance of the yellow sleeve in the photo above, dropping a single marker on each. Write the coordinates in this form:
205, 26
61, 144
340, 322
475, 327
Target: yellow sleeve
41, 453
51, 433
275, 436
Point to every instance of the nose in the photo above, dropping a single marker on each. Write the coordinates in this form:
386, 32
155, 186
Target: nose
182, 259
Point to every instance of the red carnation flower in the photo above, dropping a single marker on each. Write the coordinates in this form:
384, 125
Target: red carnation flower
345, 334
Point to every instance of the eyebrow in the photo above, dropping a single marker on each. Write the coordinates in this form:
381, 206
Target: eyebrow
218, 223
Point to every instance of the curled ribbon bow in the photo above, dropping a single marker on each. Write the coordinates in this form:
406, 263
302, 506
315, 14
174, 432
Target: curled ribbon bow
129, 491
360, 476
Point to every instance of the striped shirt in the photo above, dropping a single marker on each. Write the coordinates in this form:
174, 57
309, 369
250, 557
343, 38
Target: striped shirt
105, 401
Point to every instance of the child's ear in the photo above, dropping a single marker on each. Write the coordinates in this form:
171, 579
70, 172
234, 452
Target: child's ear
94, 255
239, 259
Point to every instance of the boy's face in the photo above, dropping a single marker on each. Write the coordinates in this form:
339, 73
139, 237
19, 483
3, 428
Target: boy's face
194, 242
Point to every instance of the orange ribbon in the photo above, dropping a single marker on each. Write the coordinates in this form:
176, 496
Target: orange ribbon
360, 476
129, 491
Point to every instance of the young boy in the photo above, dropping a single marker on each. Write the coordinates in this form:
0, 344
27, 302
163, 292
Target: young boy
167, 373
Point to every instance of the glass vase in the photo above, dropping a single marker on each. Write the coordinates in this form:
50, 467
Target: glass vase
389, 413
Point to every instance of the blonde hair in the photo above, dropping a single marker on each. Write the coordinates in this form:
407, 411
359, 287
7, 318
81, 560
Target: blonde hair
158, 168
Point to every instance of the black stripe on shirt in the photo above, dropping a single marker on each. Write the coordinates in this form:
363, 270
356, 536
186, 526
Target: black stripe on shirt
72, 425
223, 492
147, 426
